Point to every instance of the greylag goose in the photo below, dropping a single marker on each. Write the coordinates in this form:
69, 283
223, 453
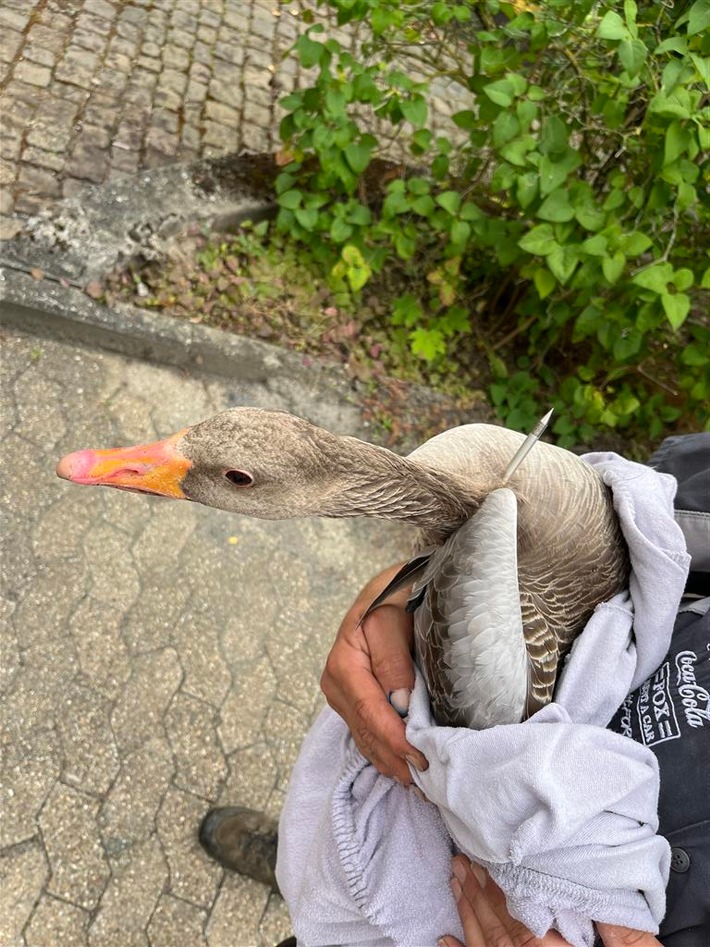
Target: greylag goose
520, 559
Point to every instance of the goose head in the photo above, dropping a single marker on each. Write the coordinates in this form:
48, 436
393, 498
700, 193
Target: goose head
274, 465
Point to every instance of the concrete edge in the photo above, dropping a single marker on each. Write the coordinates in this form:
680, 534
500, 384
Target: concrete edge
48, 308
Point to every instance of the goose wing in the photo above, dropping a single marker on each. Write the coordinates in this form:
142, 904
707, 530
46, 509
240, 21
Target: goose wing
468, 630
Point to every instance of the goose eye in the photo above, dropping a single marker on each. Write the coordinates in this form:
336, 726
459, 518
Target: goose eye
239, 478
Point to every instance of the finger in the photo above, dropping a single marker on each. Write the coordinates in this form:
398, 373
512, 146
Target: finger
613, 935
388, 634
377, 729
471, 928
450, 941
480, 922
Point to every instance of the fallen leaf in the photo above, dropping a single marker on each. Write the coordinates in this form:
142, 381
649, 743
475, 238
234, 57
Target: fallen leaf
94, 290
36, 273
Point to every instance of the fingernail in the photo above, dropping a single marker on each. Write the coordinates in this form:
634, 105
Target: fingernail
419, 763
456, 888
399, 699
417, 792
479, 873
459, 870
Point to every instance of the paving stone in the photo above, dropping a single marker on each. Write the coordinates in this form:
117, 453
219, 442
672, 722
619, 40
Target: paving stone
193, 876
88, 164
138, 876
56, 922
196, 639
283, 729
89, 750
176, 923
40, 55
253, 775
30, 766
129, 811
191, 727
175, 57
101, 651
223, 139
79, 870
33, 74
9, 648
60, 529
44, 159
103, 9
275, 924
87, 39
254, 687
14, 19
237, 911
146, 696
22, 874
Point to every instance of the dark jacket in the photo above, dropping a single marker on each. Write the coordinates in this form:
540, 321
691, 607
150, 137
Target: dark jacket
670, 712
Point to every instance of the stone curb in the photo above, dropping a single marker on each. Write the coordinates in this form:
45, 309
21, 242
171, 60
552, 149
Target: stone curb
48, 308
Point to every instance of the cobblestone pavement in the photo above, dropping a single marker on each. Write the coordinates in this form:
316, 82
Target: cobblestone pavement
94, 90
155, 657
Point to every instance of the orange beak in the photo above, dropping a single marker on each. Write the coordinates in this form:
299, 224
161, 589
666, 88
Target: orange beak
157, 468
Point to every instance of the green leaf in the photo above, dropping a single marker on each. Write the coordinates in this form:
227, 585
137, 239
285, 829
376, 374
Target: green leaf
552, 175
290, 199
340, 231
613, 266
406, 311
516, 151
423, 205
440, 168
590, 218
586, 324
359, 214
449, 200
676, 142
500, 92
428, 343
395, 203
539, 241
634, 243
676, 308
655, 277
358, 156
307, 217
556, 207
544, 282
699, 17
553, 140
505, 128
562, 261
683, 279
309, 51
595, 246
612, 27
466, 120
702, 64
414, 110
674, 44
632, 54
469, 211
630, 11
460, 232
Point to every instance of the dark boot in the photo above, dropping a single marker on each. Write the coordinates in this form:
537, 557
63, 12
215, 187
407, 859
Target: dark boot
242, 840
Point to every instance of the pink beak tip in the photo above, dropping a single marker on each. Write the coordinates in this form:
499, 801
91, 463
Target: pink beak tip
74, 466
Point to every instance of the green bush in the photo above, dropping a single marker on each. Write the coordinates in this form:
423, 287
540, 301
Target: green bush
561, 220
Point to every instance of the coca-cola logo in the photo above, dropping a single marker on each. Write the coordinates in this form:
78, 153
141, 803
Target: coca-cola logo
695, 699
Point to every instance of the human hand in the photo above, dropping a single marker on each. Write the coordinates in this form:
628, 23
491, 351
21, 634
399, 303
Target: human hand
368, 661
487, 922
